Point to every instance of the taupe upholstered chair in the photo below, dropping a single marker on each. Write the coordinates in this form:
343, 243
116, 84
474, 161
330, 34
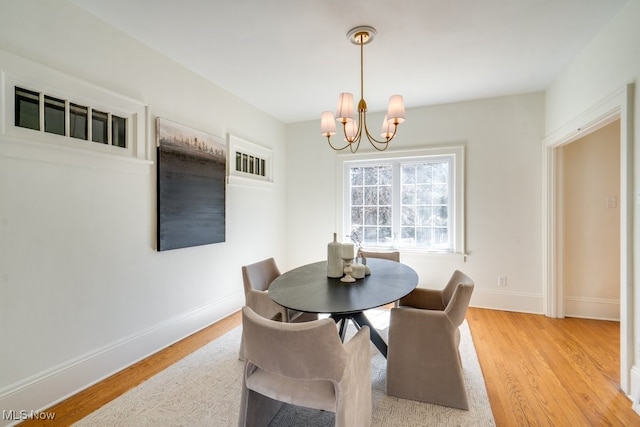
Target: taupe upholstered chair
392, 255
304, 364
423, 361
256, 278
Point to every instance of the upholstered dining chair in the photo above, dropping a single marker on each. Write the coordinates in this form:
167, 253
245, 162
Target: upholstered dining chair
390, 255
423, 360
435, 299
304, 364
256, 279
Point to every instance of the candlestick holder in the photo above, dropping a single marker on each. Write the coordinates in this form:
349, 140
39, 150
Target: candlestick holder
347, 271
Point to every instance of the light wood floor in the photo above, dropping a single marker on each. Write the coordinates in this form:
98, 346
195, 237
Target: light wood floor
538, 371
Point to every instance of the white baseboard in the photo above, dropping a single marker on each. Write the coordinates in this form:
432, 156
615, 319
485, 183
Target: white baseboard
635, 388
507, 301
592, 308
58, 383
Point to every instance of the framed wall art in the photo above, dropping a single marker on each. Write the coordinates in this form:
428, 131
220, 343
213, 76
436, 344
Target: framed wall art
191, 186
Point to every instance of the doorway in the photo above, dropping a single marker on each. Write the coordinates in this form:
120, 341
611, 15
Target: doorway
617, 106
589, 218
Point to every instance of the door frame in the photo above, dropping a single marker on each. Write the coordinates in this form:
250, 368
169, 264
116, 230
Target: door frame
618, 105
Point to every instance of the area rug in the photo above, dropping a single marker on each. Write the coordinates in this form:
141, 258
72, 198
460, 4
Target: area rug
203, 389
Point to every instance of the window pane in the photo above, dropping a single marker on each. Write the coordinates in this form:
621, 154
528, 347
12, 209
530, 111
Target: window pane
408, 194
357, 216
386, 175
424, 215
357, 196
78, 121
424, 237
385, 236
27, 105
119, 131
408, 215
371, 195
54, 115
371, 235
385, 195
408, 174
371, 176
370, 216
99, 127
441, 216
356, 176
384, 215
423, 194
423, 173
440, 172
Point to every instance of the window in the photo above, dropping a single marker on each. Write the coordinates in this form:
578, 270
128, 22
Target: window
410, 202
27, 109
250, 163
56, 111
78, 121
99, 127
53, 115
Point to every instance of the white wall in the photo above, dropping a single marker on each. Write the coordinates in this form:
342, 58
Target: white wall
605, 66
83, 292
503, 194
591, 225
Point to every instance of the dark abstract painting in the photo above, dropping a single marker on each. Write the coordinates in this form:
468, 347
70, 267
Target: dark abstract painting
191, 186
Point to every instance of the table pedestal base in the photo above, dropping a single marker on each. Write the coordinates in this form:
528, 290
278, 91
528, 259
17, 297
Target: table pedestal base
360, 320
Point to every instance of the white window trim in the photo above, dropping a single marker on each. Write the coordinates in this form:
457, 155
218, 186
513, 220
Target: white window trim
23, 73
241, 178
458, 220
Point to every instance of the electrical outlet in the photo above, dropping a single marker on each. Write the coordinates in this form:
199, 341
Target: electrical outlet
502, 281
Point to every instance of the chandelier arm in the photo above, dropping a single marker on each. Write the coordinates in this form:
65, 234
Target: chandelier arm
337, 149
357, 144
374, 141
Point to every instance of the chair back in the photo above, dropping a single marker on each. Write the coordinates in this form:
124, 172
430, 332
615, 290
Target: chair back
309, 350
456, 310
393, 256
457, 278
259, 275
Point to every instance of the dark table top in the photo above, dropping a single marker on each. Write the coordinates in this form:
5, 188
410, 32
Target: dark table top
308, 288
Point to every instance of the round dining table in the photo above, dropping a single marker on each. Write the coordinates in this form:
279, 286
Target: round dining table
307, 288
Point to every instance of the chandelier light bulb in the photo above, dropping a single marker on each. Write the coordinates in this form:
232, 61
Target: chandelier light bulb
350, 131
388, 128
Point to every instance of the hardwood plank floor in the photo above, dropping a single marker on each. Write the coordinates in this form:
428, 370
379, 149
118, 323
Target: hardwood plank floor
538, 371
541, 371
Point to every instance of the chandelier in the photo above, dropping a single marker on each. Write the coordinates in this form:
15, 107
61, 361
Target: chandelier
354, 130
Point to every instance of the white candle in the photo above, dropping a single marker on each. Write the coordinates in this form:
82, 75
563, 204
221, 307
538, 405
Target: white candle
347, 251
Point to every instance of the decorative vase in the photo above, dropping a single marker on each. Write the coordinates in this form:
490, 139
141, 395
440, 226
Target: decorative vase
358, 271
335, 268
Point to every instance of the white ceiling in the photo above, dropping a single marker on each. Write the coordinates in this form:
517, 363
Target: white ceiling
291, 58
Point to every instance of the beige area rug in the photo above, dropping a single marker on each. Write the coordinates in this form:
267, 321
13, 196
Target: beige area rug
203, 389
